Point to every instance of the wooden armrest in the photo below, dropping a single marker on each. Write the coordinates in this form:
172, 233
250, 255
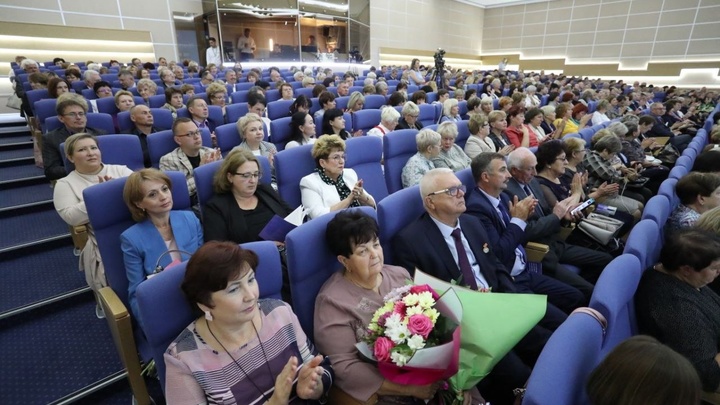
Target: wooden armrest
114, 308
565, 231
536, 251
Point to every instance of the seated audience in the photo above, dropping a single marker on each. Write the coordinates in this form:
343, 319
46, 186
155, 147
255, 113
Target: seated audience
451, 111
428, 146
389, 118
356, 102
302, 130
217, 94
633, 155
327, 101
642, 371
71, 110
301, 104
333, 123
660, 129
146, 88
160, 235
189, 154
102, 89
707, 162
497, 134
674, 303
397, 99
544, 225
548, 123
58, 86
409, 117
534, 118
451, 155
82, 150
241, 206
450, 245
698, 193
600, 116
519, 133
531, 100
332, 187
339, 322
478, 142
505, 221
173, 100
203, 361
124, 101
250, 128
142, 120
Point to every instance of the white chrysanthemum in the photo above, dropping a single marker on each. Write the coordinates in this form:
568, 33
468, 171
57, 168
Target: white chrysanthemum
399, 358
425, 300
393, 321
411, 300
398, 333
416, 342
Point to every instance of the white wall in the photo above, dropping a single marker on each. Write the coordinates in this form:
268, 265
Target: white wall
425, 25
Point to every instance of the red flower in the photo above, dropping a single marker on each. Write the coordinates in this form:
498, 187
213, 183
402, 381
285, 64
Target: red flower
420, 324
400, 308
382, 348
417, 289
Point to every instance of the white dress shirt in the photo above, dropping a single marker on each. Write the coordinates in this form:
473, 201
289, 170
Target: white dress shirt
446, 232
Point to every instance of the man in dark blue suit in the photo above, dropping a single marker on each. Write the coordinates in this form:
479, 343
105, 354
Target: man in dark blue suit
505, 224
543, 227
451, 245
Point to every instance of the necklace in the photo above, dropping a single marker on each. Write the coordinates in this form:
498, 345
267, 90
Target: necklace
237, 363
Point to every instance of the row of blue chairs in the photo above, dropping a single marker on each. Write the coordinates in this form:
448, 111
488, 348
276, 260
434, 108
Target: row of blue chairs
581, 342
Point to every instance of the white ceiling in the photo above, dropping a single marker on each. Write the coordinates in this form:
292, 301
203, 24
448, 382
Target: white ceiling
499, 3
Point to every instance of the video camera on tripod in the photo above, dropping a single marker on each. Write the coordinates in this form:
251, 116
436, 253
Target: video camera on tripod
439, 67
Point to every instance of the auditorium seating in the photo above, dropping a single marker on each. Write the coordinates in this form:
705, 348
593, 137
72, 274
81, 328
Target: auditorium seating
162, 119
100, 121
395, 212
291, 166
364, 155
161, 295
163, 142
205, 175
398, 147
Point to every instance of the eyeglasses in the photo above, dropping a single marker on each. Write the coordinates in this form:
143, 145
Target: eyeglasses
218, 97
191, 134
452, 191
249, 175
75, 114
413, 115
338, 157
563, 158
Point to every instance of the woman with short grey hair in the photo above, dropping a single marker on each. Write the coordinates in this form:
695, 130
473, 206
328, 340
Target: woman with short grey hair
428, 146
451, 155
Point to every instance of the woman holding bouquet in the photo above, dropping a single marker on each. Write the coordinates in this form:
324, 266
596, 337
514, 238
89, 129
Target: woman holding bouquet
344, 307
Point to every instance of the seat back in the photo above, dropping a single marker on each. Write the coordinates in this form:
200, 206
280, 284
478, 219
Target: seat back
162, 119
281, 131
278, 109
657, 209
215, 116
100, 121
667, 189
463, 133
586, 134
227, 137
36, 95
645, 242
614, 298
163, 142
308, 272
236, 111
395, 212
156, 101
341, 102
365, 120
364, 155
374, 102
291, 166
121, 150
569, 356
427, 114
161, 295
110, 217
678, 172
45, 109
398, 147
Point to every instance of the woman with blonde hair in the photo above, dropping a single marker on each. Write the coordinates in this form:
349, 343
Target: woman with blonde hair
451, 111
710, 221
146, 88
217, 95
428, 148
250, 128
356, 102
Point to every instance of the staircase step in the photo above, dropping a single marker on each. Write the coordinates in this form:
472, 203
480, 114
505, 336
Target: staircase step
31, 229
20, 173
55, 262
16, 155
16, 139
26, 196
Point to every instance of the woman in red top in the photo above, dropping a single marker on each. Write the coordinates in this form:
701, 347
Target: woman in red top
519, 133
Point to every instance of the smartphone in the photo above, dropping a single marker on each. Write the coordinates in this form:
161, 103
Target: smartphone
587, 203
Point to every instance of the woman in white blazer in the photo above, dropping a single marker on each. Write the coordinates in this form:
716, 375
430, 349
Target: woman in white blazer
332, 187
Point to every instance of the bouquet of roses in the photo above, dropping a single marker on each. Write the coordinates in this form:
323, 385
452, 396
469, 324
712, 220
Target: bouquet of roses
415, 335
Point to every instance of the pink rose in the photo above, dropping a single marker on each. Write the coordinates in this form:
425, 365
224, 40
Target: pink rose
382, 348
420, 325
417, 289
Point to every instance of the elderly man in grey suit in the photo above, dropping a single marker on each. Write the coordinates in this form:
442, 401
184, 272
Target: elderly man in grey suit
544, 227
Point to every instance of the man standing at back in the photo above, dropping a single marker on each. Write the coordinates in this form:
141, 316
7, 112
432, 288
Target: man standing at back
72, 112
189, 154
213, 54
246, 45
